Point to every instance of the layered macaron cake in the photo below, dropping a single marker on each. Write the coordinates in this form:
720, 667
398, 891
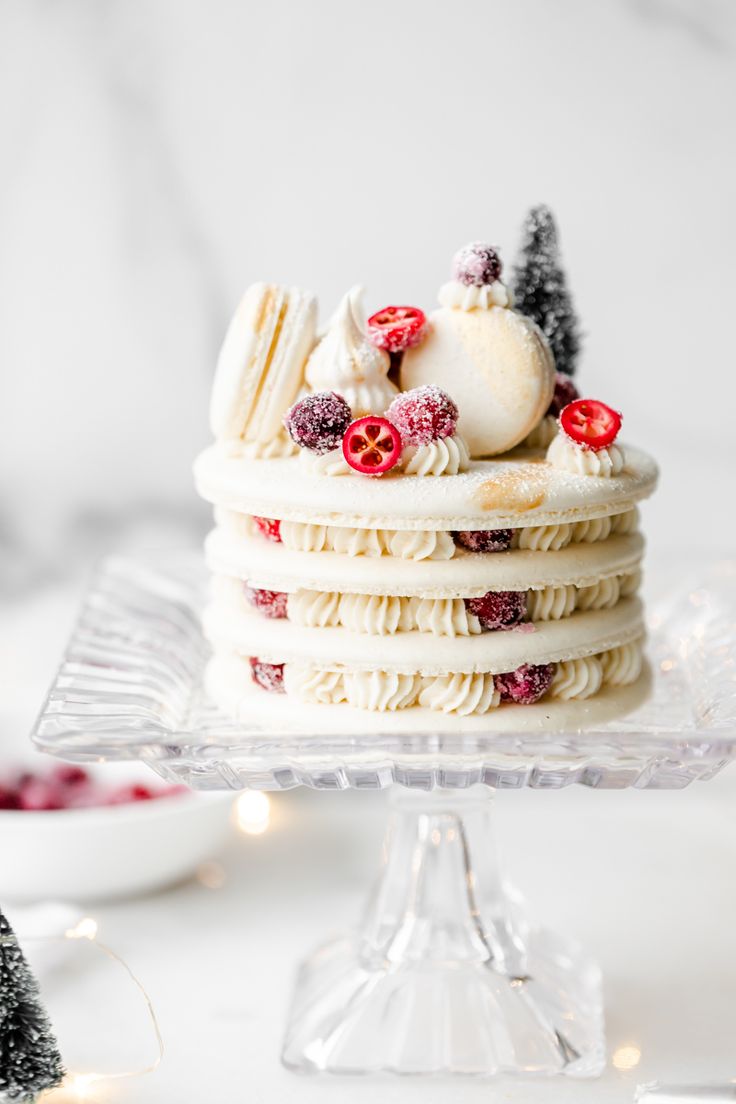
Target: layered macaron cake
437, 532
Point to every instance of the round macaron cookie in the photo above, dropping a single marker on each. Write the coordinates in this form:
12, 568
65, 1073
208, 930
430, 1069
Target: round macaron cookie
260, 370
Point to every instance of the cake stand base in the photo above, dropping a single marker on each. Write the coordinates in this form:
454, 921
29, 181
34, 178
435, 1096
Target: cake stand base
445, 975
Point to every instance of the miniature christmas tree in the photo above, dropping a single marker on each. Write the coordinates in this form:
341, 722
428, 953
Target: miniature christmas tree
540, 288
29, 1057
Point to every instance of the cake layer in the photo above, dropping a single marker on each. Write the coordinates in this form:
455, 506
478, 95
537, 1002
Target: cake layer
584, 633
492, 494
467, 575
230, 685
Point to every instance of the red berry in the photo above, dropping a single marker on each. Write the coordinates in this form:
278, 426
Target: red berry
423, 414
318, 422
70, 776
268, 675
590, 423
527, 684
396, 328
8, 797
476, 264
39, 795
484, 540
372, 445
271, 603
130, 794
498, 609
565, 392
269, 527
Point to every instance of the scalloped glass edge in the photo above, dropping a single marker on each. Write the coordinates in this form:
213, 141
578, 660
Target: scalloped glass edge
130, 687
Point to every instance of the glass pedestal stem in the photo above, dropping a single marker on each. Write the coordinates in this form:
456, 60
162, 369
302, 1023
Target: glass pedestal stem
445, 975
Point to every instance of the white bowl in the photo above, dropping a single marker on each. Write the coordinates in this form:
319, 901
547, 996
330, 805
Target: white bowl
114, 851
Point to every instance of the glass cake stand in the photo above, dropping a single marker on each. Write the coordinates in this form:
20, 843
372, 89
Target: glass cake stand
444, 974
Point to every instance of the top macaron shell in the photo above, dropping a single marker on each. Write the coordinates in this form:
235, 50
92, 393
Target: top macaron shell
260, 370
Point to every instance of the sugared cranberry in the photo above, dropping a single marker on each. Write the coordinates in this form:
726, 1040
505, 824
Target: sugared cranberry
269, 527
270, 676
423, 414
8, 798
476, 264
67, 775
271, 603
372, 445
130, 794
396, 328
484, 540
565, 392
590, 423
317, 422
527, 684
499, 609
40, 795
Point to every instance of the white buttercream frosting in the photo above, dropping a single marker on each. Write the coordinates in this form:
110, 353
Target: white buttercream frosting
568, 456
443, 617
317, 609
326, 463
421, 544
543, 538
458, 693
377, 614
551, 603
622, 665
314, 684
278, 446
577, 679
445, 456
543, 433
381, 691
459, 296
346, 362
601, 595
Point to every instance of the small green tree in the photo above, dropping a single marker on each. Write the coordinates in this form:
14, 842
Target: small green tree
540, 288
29, 1056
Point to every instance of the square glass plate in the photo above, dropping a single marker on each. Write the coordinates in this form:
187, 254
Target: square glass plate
130, 687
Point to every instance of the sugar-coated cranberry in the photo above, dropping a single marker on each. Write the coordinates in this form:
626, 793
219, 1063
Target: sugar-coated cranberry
477, 264
131, 794
372, 445
565, 392
270, 676
499, 609
67, 775
40, 795
423, 414
269, 527
396, 328
484, 540
590, 423
271, 603
317, 422
527, 684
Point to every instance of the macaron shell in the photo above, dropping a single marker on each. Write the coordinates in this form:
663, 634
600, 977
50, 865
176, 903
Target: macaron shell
284, 378
496, 365
229, 683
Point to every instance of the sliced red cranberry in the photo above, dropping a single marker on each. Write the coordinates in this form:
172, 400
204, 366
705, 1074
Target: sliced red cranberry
423, 414
372, 445
484, 540
498, 609
396, 328
477, 264
271, 603
527, 684
270, 676
269, 527
318, 422
565, 393
590, 423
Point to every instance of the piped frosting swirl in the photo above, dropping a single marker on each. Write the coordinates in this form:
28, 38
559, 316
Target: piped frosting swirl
571, 457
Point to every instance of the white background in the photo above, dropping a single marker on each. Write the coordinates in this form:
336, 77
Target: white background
159, 155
